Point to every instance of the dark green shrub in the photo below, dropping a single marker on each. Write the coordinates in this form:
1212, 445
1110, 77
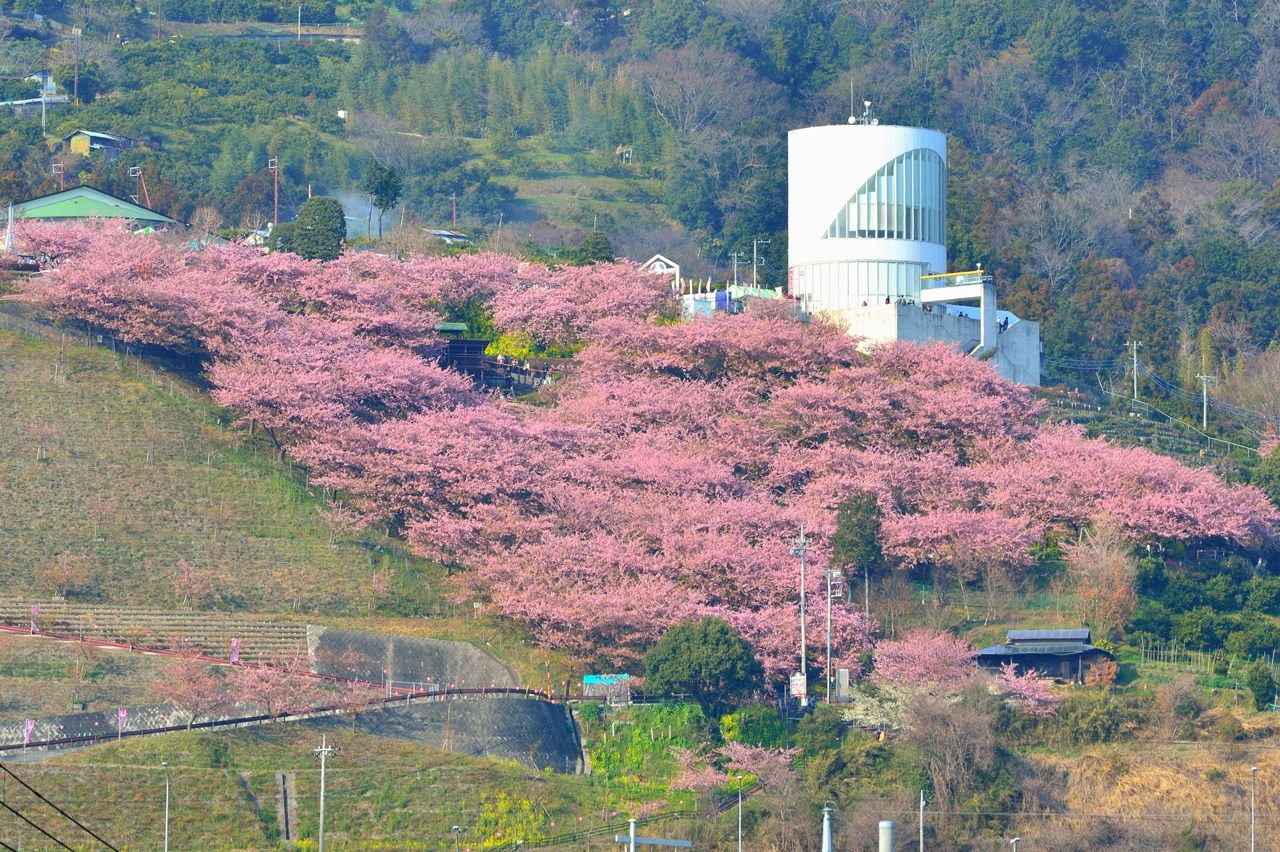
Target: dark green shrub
755, 725
1262, 594
1261, 684
819, 732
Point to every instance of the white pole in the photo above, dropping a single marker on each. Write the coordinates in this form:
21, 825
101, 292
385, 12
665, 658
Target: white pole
800, 548
1253, 809
324, 751
922, 821
299, 22
1134, 344
739, 813
631, 847
165, 765
829, 573
826, 829
1204, 402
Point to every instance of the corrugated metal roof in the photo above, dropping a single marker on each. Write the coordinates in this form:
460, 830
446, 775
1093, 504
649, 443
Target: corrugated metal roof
84, 202
1051, 649
1071, 634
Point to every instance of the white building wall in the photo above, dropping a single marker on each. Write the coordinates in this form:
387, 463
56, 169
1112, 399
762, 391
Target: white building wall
826, 168
1016, 355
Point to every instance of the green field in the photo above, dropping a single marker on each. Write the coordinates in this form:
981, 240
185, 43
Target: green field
384, 794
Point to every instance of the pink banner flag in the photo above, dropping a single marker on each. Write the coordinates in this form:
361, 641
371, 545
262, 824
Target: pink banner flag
26, 733
122, 715
35, 611
235, 651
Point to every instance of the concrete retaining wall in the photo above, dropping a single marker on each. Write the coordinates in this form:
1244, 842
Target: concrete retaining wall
459, 665
536, 733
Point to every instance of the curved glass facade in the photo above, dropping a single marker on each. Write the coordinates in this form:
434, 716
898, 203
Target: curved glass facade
906, 199
852, 283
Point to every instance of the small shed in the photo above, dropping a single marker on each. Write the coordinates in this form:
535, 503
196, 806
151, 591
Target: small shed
1065, 654
85, 142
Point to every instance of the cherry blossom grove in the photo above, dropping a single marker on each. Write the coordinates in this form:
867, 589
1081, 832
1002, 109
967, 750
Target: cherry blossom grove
665, 477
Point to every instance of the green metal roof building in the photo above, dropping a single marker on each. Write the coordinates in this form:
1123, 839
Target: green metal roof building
85, 202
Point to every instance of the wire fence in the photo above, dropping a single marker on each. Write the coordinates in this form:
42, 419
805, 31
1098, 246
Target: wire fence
1173, 655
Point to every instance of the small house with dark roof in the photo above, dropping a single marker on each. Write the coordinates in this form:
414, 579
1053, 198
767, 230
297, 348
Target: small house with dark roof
1066, 655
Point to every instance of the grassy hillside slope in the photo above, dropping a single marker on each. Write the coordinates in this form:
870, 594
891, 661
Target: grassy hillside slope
130, 471
385, 794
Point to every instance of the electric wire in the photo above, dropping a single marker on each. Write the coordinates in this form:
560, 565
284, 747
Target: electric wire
22, 817
73, 820
4, 845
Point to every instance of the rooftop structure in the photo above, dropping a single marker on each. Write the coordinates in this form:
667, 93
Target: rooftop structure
1063, 654
85, 202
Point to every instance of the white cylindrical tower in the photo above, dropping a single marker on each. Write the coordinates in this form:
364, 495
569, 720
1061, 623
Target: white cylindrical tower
867, 213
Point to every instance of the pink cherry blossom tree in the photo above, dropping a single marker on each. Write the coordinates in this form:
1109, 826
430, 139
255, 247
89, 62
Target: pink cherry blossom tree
666, 476
1030, 692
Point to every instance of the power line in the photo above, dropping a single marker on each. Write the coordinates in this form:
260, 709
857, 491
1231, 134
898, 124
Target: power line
74, 821
4, 845
20, 816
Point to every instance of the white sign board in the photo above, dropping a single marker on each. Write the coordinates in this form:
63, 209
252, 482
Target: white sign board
799, 686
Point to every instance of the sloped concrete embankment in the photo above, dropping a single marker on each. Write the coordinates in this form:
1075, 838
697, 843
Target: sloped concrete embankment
377, 657
536, 733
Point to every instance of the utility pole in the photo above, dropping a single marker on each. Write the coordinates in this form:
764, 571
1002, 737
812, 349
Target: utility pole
164, 764
922, 821
826, 829
299, 22
1204, 401
75, 68
274, 165
739, 813
800, 549
324, 751
1134, 345
736, 255
142, 196
453, 200
832, 574
1253, 809
755, 257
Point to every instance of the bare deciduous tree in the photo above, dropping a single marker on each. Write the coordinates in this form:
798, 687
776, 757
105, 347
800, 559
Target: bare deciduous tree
1102, 566
70, 571
1256, 387
1057, 231
955, 741
754, 15
696, 88
445, 27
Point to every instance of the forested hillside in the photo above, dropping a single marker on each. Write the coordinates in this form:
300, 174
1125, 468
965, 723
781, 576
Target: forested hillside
1116, 164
